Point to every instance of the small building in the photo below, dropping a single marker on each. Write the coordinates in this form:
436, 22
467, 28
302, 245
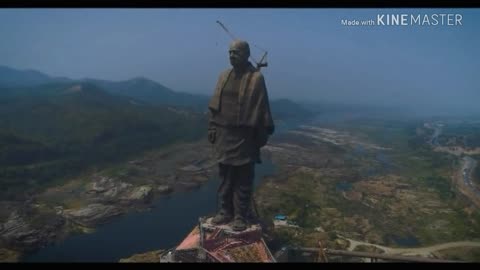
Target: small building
280, 217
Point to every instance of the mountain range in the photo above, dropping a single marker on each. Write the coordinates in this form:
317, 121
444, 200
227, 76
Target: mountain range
139, 88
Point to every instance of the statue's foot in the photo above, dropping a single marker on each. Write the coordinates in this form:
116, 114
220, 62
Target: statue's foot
239, 224
221, 218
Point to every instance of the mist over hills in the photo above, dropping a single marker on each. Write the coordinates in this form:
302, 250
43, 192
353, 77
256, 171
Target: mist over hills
151, 92
142, 89
10, 77
139, 88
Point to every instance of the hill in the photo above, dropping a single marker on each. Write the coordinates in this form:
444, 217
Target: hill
26, 83
10, 77
152, 92
64, 128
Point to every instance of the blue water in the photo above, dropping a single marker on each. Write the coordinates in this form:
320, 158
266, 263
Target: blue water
171, 219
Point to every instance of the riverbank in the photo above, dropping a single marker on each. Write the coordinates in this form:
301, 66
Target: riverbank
89, 203
96, 198
182, 178
462, 180
161, 226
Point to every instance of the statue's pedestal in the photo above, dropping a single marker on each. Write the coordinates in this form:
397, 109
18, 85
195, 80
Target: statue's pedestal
219, 243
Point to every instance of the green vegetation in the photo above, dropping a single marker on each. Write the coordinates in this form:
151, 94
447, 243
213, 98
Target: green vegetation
7, 255
464, 134
465, 254
50, 137
440, 184
150, 92
421, 209
432, 219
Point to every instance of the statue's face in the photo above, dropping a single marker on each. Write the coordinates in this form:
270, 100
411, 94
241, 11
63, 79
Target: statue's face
238, 54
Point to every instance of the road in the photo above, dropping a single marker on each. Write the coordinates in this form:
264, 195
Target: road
422, 251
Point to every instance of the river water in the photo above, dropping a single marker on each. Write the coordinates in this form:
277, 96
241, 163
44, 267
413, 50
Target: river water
170, 220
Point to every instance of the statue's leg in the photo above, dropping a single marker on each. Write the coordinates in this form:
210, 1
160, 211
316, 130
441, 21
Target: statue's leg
242, 197
224, 195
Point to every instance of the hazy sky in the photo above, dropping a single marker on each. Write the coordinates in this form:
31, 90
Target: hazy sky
311, 55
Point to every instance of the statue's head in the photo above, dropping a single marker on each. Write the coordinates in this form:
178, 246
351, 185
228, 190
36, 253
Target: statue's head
239, 52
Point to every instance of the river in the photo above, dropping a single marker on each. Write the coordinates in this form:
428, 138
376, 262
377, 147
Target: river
164, 226
467, 173
170, 219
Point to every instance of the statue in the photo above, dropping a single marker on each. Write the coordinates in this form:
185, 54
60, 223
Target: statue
240, 123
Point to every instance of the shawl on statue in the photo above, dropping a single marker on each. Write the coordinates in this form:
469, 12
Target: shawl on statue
254, 108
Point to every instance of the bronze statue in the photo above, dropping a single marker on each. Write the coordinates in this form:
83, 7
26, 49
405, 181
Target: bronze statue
239, 125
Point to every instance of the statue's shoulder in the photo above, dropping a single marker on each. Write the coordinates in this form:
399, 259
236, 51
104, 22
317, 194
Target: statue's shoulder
225, 73
257, 76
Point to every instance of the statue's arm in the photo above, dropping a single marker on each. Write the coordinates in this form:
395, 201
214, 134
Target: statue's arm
211, 128
211, 123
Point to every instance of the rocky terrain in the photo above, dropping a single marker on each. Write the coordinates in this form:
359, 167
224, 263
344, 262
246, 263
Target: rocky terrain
95, 198
323, 187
